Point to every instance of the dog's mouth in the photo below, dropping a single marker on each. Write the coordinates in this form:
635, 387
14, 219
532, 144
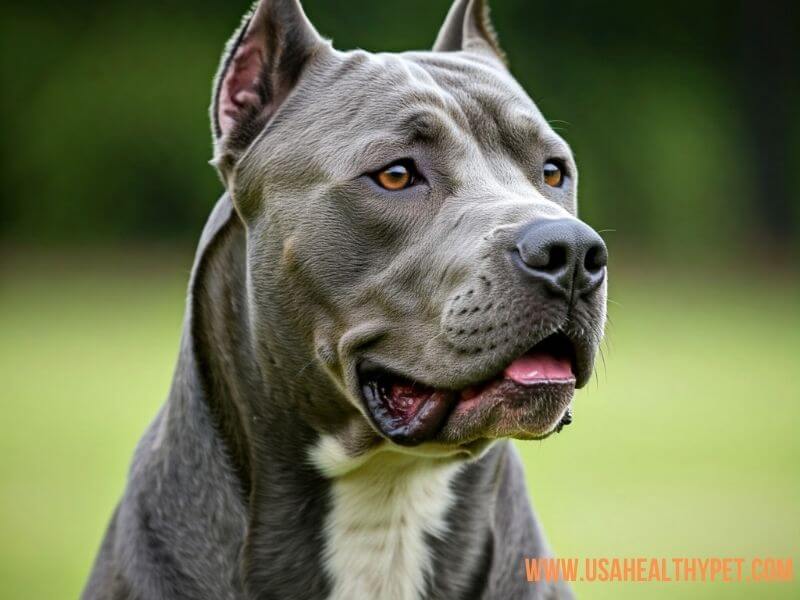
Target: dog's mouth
529, 399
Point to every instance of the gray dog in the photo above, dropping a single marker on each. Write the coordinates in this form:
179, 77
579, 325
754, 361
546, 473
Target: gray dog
394, 284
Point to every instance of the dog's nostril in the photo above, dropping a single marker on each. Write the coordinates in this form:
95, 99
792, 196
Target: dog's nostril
557, 259
596, 258
548, 258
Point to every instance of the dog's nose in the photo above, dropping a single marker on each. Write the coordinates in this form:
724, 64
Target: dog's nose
565, 255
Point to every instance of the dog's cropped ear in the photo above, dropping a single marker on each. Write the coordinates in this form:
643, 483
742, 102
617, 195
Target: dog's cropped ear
260, 66
468, 27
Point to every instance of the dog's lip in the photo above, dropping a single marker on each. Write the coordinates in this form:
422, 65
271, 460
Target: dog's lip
410, 424
410, 412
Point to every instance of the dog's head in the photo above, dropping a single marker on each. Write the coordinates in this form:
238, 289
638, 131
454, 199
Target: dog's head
411, 226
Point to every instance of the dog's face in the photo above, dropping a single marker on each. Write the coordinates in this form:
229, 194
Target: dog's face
411, 220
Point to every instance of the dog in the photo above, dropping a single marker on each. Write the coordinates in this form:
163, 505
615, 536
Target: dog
394, 283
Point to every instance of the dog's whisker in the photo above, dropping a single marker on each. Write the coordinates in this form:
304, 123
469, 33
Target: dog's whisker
603, 360
438, 335
606, 342
308, 364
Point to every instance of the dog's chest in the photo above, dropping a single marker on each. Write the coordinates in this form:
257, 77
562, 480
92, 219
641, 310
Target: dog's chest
375, 533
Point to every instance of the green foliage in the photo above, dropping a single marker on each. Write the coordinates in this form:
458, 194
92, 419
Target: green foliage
105, 111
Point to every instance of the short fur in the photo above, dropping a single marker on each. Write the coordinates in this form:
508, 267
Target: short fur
262, 477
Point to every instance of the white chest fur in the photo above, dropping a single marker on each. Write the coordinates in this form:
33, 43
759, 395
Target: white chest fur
382, 508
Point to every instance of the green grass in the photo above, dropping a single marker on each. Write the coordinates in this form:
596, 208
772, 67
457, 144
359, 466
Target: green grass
685, 445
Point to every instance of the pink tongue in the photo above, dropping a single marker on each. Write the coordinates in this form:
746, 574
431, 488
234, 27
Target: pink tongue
536, 367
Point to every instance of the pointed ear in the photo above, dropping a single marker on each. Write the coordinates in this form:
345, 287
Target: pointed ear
468, 27
260, 66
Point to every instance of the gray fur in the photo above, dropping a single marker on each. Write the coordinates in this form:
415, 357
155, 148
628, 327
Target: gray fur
304, 268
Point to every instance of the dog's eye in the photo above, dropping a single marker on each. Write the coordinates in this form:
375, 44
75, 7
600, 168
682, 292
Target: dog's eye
397, 176
553, 174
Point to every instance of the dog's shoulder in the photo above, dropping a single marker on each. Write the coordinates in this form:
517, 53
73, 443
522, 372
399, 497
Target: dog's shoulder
518, 535
179, 528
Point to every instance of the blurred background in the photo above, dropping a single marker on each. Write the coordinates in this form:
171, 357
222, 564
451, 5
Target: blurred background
684, 121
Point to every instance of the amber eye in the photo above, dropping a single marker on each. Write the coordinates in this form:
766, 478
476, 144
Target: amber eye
397, 176
553, 174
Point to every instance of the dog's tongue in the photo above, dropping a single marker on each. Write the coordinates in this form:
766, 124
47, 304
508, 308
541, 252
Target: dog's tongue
538, 367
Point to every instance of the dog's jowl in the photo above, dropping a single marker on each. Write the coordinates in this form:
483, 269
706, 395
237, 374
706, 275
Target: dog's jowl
394, 283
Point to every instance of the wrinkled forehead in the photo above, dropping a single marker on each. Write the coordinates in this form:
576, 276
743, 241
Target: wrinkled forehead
361, 102
421, 92
476, 93
357, 111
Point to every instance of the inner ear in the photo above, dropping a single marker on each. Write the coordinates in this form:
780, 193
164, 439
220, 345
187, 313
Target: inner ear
241, 90
261, 65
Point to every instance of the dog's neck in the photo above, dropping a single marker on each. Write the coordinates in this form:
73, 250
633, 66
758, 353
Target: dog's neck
313, 513
282, 493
